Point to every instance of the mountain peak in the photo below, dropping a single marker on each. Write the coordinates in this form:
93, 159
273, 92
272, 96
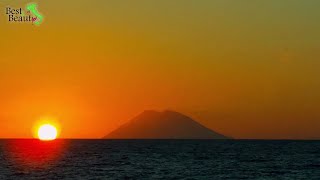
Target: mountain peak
168, 124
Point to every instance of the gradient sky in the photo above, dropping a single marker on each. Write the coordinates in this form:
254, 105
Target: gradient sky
247, 69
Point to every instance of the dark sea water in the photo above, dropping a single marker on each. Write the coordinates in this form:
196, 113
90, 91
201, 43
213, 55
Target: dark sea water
159, 159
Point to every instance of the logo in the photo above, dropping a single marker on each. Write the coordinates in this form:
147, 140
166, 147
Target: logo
29, 15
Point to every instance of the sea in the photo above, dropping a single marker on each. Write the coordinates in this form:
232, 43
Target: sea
159, 159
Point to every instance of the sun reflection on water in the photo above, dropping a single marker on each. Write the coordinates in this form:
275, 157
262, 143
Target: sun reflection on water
33, 154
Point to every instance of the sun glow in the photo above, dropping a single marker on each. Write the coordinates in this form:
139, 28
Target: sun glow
47, 132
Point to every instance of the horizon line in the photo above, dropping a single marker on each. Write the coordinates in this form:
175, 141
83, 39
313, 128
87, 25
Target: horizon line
247, 139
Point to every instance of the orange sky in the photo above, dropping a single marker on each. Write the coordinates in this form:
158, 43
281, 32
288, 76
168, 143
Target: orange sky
247, 70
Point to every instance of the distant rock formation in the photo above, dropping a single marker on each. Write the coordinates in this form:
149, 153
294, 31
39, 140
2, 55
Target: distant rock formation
163, 125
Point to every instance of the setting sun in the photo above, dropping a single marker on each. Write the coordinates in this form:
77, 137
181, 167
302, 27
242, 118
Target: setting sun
47, 132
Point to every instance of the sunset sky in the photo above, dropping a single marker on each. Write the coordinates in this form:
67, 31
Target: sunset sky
247, 69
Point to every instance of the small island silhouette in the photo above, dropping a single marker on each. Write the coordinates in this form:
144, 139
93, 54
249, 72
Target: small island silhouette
163, 125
